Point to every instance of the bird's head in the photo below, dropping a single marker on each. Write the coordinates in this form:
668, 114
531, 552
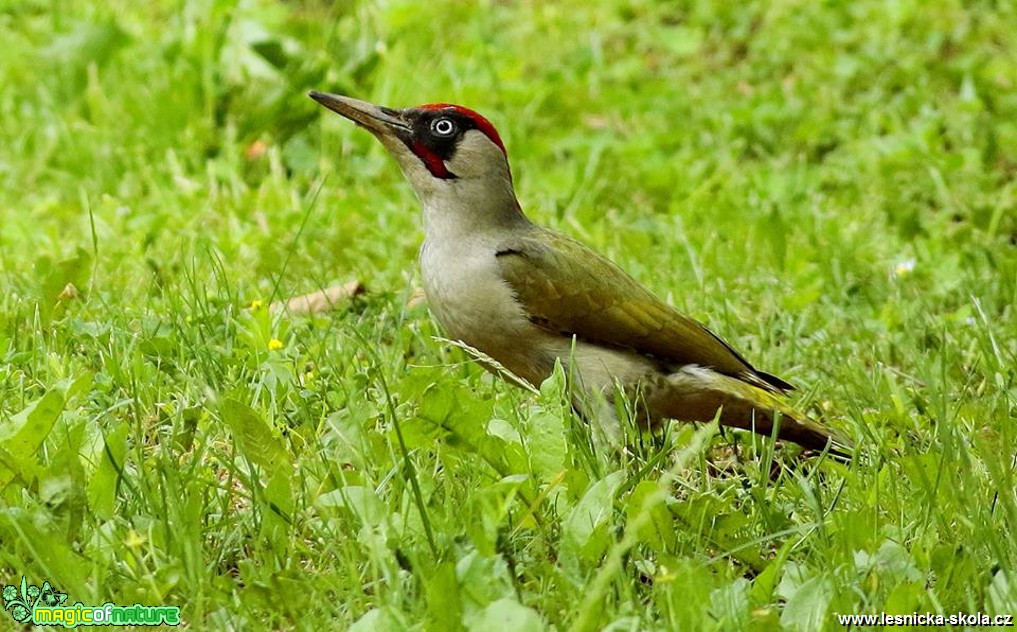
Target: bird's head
442, 148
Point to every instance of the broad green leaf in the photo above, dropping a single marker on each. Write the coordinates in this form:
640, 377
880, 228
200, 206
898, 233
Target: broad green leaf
546, 440
586, 526
457, 410
362, 501
806, 608
659, 531
80, 385
383, 619
444, 603
765, 584
687, 585
487, 510
894, 563
87, 42
102, 487
730, 603
1003, 592
56, 277
279, 492
23, 434
66, 566
255, 440
483, 579
465, 421
508, 614
277, 508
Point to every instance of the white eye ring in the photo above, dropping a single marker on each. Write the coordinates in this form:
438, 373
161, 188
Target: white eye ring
443, 127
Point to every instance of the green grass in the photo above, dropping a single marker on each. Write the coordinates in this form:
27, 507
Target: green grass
831, 186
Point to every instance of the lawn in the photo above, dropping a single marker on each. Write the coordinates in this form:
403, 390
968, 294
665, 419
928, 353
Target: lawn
832, 187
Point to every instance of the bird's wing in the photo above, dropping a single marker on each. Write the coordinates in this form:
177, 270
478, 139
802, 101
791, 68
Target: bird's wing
567, 288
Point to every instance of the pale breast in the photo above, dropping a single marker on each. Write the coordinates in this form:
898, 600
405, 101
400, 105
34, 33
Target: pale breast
468, 297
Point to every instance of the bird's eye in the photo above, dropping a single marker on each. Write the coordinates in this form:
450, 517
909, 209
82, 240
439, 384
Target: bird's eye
443, 127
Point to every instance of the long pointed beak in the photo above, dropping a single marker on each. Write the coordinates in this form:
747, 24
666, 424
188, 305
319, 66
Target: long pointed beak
377, 119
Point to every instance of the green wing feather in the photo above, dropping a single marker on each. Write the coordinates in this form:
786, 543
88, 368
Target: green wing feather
568, 288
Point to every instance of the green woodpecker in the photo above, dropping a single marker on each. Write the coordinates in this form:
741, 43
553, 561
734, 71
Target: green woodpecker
528, 297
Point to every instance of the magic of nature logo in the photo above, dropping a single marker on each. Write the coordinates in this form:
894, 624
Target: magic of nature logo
44, 605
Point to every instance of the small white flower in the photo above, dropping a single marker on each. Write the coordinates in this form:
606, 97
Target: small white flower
904, 267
